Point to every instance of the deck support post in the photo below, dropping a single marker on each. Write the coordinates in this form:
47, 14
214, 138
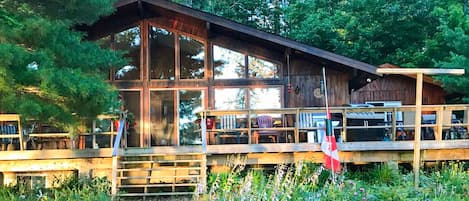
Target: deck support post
114, 178
418, 125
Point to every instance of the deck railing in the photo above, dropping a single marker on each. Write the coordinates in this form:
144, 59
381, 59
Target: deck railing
300, 125
440, 122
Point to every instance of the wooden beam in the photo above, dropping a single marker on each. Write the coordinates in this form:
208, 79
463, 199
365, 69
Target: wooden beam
55, 164
9, 117
55, 154
428, 71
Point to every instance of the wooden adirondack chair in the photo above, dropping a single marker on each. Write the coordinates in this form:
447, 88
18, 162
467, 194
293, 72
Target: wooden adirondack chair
265, 121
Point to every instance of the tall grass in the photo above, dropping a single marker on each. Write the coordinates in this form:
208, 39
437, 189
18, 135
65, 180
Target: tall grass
306, 181
71, 189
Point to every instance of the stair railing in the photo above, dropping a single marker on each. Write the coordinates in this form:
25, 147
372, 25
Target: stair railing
115, 152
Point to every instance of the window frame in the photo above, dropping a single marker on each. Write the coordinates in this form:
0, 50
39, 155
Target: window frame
177, 62
246, 54
141, 63
248, 95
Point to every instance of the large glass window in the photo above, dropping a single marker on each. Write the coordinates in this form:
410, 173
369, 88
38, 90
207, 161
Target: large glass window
228, 64
259, 68
129, 41
131, 102
161, 54
248, 98
190, 102
191, 58
265, 98
230, 98
162, 117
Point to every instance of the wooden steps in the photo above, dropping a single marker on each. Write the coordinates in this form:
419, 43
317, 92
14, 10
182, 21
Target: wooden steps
154, 175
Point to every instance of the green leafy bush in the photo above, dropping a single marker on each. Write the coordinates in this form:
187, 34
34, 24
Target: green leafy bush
307, 181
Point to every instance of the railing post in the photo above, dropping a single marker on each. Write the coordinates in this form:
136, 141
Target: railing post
394, 124
249, 127
203, 164
344, 125
466, 118
20, 133
114, 177
439, 124
203, 127
297, 126
115, 153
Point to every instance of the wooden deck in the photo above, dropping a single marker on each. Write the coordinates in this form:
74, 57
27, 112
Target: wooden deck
157, 162
353, 152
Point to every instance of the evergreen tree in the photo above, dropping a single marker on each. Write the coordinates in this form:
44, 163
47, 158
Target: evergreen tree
452, 43
47, 71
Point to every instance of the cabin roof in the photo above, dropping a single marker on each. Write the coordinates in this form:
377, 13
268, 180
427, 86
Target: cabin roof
129, 11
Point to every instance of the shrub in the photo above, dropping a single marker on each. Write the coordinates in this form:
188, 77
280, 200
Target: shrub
306, 181
70, 189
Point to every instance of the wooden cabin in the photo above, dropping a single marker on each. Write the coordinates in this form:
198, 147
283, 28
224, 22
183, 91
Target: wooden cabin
184, 60
186, 66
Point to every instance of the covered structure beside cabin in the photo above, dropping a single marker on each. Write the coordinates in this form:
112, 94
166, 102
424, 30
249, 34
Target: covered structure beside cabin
398, 88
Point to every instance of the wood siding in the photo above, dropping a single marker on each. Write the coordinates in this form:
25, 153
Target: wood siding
306, 77
398, 88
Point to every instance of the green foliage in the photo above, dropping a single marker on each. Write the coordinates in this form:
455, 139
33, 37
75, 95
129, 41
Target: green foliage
452, 37
303, 182
71, 189
47, 71
264, 15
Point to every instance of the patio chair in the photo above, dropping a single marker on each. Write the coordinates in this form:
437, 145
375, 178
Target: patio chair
265, 121
310, 120
227, 125
10, 129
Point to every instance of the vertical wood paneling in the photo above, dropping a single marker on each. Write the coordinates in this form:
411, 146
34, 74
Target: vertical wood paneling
397, 88
306, 78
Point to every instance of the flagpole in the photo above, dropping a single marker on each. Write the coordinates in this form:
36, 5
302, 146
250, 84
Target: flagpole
328, 122
328, 112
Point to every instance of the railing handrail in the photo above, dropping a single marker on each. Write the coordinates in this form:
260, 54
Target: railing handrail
442, 119
115, 152
120, 132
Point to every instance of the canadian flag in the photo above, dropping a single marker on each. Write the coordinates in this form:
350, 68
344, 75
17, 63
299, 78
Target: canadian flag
329, 147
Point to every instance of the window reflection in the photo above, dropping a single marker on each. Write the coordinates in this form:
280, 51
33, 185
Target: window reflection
191, 58
257, 98
129, 40
228, 64
264, 98
259, 68
161, 54
230, 98
190, 102
162, 117
131, 102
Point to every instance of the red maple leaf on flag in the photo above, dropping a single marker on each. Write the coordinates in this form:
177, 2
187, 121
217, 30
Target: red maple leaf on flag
331, 154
